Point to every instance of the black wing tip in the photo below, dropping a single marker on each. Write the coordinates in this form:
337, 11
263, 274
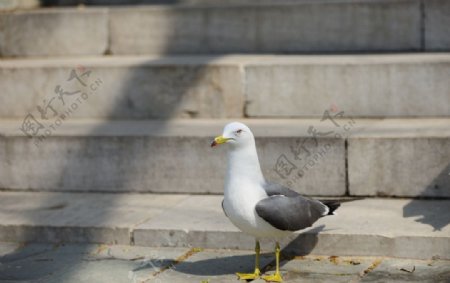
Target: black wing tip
332, 206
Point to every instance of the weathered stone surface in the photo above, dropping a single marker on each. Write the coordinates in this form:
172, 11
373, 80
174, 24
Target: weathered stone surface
122, 88
437, 25
56, 217
158, 156
233, 86
382, 228
54, 32
362, 86
325, 268
212, 266
169, 156
414, 166
220, 27
194, 215
399, 228
85, 263
8, 247
270, 28
118, 264
393, 270
8, 5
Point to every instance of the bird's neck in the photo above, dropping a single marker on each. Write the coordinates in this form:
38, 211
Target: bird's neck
243, 165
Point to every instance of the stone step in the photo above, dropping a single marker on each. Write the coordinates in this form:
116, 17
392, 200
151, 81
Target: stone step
249, 27
388, 157
148, 87
371, 227
11, 5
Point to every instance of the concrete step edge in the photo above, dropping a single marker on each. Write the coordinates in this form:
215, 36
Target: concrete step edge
236, 59
198, 221
295, 127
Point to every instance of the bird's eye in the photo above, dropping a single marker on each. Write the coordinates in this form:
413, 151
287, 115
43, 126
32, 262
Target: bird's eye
238, 131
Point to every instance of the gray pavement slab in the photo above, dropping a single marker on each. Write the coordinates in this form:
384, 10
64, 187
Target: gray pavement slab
328, 265
86, 263
72, 217
212, 266
325, 269
394, 270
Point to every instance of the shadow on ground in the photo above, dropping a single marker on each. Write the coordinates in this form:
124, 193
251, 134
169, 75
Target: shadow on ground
216, 266
301, 245
433, 213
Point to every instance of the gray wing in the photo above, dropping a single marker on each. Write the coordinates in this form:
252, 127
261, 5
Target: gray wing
285, 209
276, 189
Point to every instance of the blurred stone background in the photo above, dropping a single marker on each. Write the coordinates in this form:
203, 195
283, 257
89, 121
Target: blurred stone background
104, 99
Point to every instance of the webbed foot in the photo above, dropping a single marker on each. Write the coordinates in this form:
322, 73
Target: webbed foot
249, 276
273, 278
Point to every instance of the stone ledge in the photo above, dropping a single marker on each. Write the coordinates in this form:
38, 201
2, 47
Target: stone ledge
162, 157
255, 86
166, 156
371, 227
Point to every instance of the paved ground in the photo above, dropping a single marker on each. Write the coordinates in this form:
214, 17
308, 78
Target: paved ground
403, 228
113, 264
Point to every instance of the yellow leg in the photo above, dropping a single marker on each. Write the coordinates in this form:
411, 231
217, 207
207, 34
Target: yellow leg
277, 276
254, 275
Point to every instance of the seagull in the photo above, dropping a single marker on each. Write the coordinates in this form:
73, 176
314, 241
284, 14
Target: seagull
257, 207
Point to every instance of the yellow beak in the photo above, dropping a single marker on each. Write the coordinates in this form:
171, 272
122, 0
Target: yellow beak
219, 140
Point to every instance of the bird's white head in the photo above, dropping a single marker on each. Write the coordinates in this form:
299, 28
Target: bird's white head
235, 134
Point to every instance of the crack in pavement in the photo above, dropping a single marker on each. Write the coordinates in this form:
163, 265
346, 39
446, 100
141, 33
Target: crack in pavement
369, 269
174, 262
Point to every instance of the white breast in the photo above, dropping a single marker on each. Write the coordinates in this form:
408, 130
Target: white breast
243, 190
239, 205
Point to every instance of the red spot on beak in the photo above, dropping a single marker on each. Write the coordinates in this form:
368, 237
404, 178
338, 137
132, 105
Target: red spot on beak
213, 144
